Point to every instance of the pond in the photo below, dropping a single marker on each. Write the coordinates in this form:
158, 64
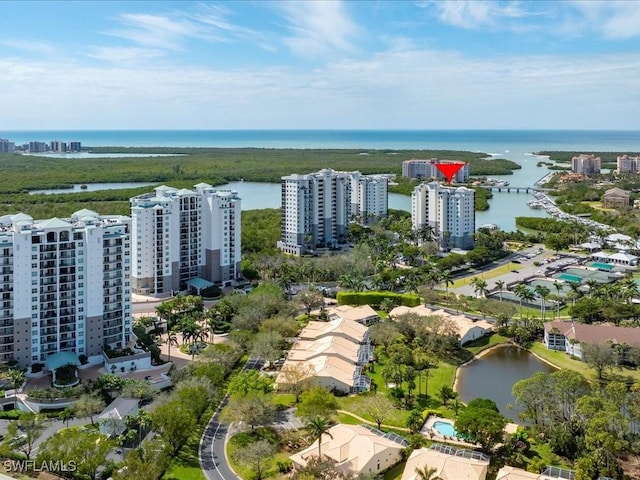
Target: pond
494, 374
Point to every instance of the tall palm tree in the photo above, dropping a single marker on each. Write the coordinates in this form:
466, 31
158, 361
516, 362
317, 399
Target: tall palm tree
319, 426
575, 291
500, 286
479, 286
542, 292
558, 287
593, 285
172, 341
445, 277
518, 291
427, 473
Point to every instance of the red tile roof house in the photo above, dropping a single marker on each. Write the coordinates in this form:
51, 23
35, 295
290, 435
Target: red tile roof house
567, 336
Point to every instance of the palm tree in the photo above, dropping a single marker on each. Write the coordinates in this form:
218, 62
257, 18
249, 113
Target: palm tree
427, 473
318, 427
575, 291
592, 284
558, 287
17, 378
172, 341
479, 286
445, 277
542, 292
500, 286
66, 415
518, 291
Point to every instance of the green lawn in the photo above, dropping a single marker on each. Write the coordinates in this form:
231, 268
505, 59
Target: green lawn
495, 272
186, 466
562, 360
394, 473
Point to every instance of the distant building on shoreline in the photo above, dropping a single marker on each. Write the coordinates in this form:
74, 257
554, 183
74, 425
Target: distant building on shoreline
586, 164
627, 164
183, 235
317, 208
425, 169
448, 211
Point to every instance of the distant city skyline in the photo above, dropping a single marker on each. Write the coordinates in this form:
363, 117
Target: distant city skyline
319, 65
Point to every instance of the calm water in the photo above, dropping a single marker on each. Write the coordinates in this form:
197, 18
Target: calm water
493, 376
92, 187
516, 145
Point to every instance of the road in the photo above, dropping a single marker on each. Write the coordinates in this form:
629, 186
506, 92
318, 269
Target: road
212, 459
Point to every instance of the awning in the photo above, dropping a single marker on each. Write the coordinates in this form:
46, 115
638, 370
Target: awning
199, 283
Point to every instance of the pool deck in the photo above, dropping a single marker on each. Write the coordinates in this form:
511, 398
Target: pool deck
428, 431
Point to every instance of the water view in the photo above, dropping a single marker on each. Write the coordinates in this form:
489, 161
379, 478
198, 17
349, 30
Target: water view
493, 375
91, 187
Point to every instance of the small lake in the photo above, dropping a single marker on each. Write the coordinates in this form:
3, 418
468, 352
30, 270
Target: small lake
92, 187
493, 376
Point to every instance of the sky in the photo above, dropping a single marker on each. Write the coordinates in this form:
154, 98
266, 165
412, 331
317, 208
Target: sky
319, 65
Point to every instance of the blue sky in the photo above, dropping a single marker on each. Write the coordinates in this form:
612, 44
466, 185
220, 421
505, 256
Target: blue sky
315, 64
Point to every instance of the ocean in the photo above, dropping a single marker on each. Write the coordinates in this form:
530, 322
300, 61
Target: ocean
505, 143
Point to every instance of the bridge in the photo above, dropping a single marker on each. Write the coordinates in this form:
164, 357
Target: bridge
510, 189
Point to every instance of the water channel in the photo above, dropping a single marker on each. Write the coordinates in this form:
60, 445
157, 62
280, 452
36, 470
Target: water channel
494, 374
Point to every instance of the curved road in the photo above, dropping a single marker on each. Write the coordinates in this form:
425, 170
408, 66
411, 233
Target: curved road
212, 459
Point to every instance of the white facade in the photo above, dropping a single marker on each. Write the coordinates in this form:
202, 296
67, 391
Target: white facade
627, 164
417, 168
449, 211
183, 234
65, 285
317, 208
586, 164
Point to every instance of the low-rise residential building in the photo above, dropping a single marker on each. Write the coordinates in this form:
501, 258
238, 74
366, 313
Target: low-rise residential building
569, 336
355, 449
363, 314
616, 198
512, 473
468, 329
450, 463
335, 352
113, 419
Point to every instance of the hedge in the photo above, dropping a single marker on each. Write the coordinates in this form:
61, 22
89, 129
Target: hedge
375, 298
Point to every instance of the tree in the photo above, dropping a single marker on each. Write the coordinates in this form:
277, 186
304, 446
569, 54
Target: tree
310, 299
316, 402
446, 393
249, 382
500, 286
378, 407
148, 462
88, 406
174, 422
479, 286
196, 394
16, 378
600, 356
32, 425
268, 346
66, 415
481, 422
427, 473
318, 427
254, 410
415, 421
297, 378
172, 341
84, 448
542, 292
256, 456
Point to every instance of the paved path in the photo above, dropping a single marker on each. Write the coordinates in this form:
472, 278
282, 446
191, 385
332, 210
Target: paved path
212, 444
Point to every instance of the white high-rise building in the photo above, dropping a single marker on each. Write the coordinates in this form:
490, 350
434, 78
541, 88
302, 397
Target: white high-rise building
586, 164
449, 211
64, 285
182, 235
417, 168
627, 164
317, 208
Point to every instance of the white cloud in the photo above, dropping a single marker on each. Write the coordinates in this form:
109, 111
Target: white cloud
410, 89
30, 46
476, 14
318, 28
614, 19
124, 54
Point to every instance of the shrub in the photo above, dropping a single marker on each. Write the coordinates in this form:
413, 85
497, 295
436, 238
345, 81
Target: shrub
376, 298
211, 292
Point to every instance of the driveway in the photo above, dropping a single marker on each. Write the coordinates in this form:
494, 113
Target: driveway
286, 420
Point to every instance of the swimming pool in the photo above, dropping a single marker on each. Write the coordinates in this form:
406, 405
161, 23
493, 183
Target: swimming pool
444, 428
